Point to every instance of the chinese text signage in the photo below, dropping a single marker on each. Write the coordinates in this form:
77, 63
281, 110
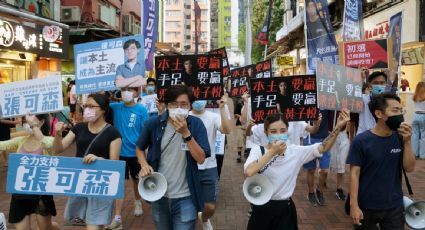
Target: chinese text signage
226, 67
201, 72
67, 176
295, 96
99, 66
339, 87
31, 96
46, 41
371, 54
240, 76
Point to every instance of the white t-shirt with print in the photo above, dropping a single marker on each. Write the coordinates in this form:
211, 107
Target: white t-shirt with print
212, 123
366, 119
283, 172
72, 92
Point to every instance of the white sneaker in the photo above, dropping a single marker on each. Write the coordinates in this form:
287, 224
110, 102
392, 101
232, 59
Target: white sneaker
138, 211
115, 225
207, 225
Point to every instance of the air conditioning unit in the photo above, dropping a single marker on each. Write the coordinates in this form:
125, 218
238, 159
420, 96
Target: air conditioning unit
128, 23
70, 13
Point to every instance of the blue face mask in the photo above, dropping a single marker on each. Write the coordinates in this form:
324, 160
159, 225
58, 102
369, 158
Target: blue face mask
199, 105
150, 89
378, 89
278, 137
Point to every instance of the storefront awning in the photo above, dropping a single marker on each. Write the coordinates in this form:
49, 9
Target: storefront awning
294, 39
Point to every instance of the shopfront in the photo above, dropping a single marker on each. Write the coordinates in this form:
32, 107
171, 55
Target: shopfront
30, 49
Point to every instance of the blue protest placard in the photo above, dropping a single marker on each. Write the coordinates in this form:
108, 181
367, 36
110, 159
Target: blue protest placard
66, 176
41, 95
108, 64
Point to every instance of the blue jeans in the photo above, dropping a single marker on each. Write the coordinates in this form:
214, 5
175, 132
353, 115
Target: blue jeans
174, 214
418, 137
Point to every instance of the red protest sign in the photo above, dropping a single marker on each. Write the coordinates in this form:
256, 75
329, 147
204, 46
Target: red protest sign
371, 54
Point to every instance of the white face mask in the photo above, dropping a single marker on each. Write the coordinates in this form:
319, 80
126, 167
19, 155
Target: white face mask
178, 113
127, 96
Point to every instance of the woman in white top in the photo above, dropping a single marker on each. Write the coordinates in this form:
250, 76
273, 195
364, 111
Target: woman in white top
418, 125
281, 164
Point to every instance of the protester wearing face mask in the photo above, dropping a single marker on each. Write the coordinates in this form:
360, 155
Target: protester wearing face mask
149, 100
281, 162
129, 119
95, 139
208, 170
376, 157
378, 81
177, 142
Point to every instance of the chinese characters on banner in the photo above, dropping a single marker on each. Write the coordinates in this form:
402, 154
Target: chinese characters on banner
339, 87
371, 54
321, 42
352, 18
150, 11
67, 176
107, 64
240, 76
35, 96
295, 95
201, 72
226, 67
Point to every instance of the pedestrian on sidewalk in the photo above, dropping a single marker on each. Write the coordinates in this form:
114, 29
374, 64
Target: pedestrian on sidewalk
376, 157
129, 119
281, 162
37, 142
208, 170
177, 142
418, 138
95, 139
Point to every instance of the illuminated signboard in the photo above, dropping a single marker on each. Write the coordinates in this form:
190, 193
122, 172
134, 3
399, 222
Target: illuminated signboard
46, 41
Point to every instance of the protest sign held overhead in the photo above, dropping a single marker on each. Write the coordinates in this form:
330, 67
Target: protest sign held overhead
339, 87
240, 76
370, 54
201, 72
66, 176
35, 96
226, 66
108, 64
293, 96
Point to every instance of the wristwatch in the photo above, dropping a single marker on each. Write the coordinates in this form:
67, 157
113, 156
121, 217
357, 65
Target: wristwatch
187, 139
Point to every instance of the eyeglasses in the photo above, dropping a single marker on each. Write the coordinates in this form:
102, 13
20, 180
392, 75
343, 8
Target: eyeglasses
90, 106
183, 105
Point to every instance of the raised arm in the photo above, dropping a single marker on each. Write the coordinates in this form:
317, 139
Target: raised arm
343, 118
59, 143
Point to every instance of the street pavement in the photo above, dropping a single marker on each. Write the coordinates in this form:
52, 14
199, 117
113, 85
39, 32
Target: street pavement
232, 207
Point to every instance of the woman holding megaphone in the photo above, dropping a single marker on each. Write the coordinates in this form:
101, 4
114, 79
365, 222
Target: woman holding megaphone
280, 163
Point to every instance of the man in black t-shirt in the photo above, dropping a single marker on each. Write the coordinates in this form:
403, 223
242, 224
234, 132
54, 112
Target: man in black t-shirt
376, 196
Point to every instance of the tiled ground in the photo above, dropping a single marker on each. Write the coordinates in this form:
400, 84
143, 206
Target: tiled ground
232, 207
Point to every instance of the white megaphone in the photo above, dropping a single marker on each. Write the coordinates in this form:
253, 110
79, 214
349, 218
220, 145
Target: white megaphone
414, 213
153, 187
2, 222
257, 189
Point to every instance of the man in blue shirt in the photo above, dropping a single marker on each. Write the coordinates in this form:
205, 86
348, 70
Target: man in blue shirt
129, 119
177, 142
131, 73
375, 167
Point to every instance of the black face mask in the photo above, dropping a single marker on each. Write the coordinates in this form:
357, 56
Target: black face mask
394, 122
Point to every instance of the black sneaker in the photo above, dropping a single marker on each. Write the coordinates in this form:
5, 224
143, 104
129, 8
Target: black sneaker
250, 212
340, 194
239, 159
320, 198
312, 198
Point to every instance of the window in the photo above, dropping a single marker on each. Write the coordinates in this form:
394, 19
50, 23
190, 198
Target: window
173, 13
204, 13
172, 2
108, 14
173, 34
172, 24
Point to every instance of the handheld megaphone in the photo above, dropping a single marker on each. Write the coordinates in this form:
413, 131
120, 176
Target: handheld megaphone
2, 222
257, 189
414, 213
153, 187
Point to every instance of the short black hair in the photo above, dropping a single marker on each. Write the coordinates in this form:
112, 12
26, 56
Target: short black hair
103, 101
150, 80
379, 102
173, 92
375, 75
132, 41
273, 118
45, 128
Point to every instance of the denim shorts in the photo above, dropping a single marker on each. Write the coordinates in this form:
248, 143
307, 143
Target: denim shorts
95, 211
324, 161
209, 183
177, 214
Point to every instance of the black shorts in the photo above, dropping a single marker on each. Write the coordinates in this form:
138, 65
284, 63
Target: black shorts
132, 167
20, 206
72, 108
